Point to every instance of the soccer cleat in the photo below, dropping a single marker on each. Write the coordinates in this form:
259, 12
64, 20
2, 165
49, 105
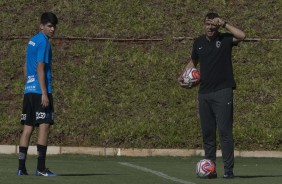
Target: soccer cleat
212, 175
45, 172
22, 172
228, 175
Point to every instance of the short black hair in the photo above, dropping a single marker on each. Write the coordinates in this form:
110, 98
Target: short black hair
211, 15
49, 17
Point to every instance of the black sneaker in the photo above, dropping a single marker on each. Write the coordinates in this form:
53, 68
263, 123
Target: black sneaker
212, 175
228, 175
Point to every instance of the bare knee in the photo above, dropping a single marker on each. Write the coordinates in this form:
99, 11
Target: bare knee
26, 134
27, 130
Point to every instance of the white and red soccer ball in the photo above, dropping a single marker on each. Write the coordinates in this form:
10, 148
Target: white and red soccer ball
205, 167
191, 76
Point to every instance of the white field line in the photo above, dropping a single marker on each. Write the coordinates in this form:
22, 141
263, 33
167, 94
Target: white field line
160, 174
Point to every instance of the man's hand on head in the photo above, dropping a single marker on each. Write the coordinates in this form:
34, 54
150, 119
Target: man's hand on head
217, 21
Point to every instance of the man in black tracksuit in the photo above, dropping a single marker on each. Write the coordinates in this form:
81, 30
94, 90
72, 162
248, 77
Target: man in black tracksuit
213, 52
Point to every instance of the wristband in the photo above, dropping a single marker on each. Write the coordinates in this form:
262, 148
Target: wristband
224, 24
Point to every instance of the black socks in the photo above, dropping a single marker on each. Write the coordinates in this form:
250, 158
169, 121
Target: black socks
22, 157
41, 157
41, 152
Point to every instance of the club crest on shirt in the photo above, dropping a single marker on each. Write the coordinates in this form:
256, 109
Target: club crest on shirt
217, 44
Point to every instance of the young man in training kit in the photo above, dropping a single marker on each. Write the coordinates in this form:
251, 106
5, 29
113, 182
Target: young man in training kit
213, 51
38, 110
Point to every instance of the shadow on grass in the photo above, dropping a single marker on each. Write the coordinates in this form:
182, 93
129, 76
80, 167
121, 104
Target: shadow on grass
258, 176
88, 174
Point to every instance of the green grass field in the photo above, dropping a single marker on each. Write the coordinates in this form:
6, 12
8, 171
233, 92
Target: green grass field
84, 169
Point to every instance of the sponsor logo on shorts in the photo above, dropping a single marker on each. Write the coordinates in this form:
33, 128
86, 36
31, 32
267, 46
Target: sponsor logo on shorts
49, 116
43, 115
52, 116
23, 118
40, 115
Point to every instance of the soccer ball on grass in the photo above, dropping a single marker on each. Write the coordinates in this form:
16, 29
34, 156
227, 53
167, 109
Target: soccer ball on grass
204, 168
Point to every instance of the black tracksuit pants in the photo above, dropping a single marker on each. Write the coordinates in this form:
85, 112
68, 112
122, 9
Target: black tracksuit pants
216, 113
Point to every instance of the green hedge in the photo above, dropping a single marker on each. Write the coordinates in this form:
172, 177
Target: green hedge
126, 94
